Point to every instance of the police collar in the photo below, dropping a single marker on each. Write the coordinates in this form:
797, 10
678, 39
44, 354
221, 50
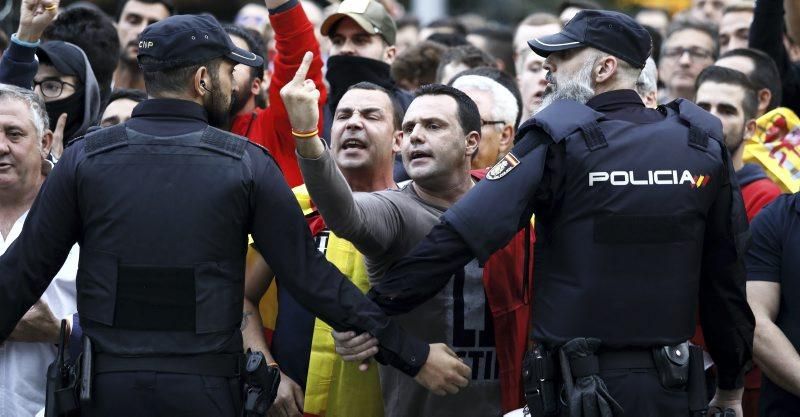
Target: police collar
170, 107
615, 100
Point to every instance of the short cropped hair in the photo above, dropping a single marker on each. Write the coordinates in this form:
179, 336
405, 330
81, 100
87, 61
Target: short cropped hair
34, 103
765, 73
419, 62
468, 115
175, 80
502, 78
729, 76
169, 4
687, 23
468, 55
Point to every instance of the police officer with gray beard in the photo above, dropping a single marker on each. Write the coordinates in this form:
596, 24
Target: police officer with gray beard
162, 206
638, 216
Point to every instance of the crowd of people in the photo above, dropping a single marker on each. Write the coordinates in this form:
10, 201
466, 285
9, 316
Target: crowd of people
437, 167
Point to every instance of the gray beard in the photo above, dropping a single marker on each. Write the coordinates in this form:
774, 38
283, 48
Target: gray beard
578, 89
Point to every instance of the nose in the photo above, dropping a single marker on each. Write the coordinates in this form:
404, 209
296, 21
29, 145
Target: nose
685, 59
347, 48
416, 134
355, 122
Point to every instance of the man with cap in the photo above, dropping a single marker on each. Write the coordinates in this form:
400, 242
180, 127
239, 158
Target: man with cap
638, 215
162, 206
362, 35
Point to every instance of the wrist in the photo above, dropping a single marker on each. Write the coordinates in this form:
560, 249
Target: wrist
725, 396
27, 40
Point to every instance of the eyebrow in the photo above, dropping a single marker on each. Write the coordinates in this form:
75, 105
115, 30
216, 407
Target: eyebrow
364, 110
424, 120
110, 119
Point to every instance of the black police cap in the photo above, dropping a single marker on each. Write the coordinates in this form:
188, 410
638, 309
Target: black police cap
612, 32
184, 40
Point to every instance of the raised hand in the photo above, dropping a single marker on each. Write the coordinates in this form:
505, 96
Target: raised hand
35, 16
301, 98
443, 373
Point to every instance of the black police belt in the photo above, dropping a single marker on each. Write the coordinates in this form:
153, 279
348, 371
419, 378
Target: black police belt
555, 378
219, 365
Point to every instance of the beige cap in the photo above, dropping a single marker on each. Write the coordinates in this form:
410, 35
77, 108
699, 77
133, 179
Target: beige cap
369, 14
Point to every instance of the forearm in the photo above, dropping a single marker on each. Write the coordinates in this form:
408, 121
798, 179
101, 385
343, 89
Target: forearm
422, 273
310, 148
766, 32
776, 356
253, 330
18, 65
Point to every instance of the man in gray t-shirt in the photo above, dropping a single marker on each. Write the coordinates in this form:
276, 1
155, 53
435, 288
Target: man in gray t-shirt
440, 133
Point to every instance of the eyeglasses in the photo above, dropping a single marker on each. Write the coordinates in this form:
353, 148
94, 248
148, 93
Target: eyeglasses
491, 122
52, 87
694, 53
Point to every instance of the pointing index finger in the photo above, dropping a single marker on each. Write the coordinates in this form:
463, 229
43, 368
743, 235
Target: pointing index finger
301, 73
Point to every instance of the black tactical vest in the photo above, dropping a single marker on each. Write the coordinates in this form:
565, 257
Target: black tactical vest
620, 258
165, 223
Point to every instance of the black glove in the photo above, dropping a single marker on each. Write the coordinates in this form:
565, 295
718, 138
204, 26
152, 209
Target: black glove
589, 396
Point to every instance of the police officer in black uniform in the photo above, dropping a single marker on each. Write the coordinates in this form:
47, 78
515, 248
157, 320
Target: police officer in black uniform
162, 207
638, 216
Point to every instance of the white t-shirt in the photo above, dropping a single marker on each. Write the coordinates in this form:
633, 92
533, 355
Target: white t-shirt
23, 366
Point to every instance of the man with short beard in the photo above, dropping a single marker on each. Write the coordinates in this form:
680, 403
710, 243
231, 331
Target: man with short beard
638, 216
133, 16
162, 206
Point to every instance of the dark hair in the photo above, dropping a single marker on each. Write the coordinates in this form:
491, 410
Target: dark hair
175, 80
407, 20
127, 93
169, 4
398, 111
499, 44
688, 23
580, 4
501, 78
448, 39
468, 115
468, 55
765, 73
93, 32
255, 43
449, 23
3, 40
418, 63
729, 76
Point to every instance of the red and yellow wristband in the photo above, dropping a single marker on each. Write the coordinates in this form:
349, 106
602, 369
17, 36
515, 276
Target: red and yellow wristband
305, 134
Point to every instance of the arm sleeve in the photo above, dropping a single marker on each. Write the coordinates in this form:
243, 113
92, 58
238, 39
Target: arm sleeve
50, 231
18, 65
725, 316
367, 220
766, 247
766, 34
282, 236
509, 198
294, 35
422, 273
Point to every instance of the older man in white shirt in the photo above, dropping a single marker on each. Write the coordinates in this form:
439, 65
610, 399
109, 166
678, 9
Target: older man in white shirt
24, 143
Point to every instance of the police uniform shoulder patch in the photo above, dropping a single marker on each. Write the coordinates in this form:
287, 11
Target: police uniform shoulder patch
500, 169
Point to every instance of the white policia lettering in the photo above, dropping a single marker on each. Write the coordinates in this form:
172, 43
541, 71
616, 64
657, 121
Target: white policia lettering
662, 177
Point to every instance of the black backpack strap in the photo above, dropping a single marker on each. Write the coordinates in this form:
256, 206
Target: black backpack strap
562, 118
593, 136
702, 124
104, 140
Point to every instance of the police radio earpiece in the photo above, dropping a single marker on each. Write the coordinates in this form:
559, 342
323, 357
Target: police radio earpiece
203, 85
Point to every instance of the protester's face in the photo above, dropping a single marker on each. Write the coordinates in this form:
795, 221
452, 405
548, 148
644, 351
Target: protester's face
406, 37
21, 148
242, 78
686, 54
734, 29
134, 18
253, 16
118, 111
349, 38
217, 102
362, 133
489, 145
53, 81
530, 66
433, 144
725, 102
708, 10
